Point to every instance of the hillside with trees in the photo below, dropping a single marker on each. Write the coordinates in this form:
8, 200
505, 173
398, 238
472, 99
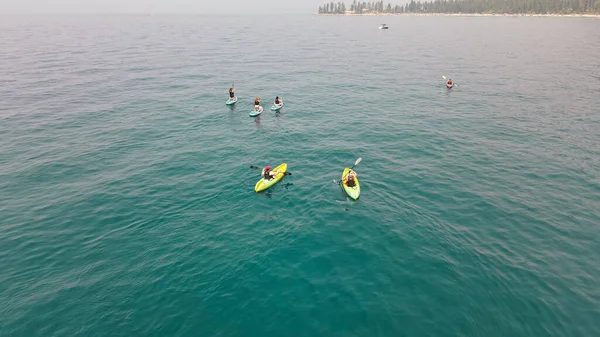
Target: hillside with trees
467, 6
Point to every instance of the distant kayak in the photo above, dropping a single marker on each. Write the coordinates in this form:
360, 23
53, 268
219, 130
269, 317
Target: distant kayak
264, 184
276, 107
231, 101
383, 26
449, 82
255, 112
354, 191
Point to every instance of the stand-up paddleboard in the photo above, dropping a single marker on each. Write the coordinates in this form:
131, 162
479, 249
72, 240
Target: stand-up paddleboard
277, 107
255, 112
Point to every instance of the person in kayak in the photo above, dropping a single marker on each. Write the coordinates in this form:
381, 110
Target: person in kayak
350, 179
267, 173
277, 100
449, 83
232, 93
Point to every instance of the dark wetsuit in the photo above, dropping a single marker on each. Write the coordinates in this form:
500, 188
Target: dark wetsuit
231, 93
277, 101
350, 182
268, 175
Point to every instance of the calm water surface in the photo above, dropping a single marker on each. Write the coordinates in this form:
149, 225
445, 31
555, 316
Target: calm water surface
126, 198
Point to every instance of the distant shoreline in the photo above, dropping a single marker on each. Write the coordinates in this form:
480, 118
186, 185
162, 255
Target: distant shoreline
466, 14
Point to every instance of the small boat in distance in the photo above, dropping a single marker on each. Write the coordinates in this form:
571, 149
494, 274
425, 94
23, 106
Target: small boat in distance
383, 26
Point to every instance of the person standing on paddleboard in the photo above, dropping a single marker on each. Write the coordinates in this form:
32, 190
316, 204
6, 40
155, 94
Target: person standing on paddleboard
277, 100
256, 103
232, 93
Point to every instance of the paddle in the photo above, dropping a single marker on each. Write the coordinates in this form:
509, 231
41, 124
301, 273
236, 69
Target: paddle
284, 173
355, 163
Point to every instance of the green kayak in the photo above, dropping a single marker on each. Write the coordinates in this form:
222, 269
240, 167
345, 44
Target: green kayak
264, 184
354, 191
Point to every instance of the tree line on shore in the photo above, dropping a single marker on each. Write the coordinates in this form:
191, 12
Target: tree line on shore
467, 6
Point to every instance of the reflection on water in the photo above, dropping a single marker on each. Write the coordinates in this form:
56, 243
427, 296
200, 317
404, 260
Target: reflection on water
257, 121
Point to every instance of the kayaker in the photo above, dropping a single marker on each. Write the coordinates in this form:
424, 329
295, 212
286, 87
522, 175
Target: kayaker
449, 83
350, 179
277, 100
231, 93
267, 173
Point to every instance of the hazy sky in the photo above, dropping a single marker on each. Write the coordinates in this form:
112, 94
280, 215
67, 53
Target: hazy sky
161, 6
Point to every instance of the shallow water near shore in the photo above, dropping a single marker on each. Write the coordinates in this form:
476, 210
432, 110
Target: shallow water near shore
127, 205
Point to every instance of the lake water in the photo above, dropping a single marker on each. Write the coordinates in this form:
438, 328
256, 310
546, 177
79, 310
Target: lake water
127, 205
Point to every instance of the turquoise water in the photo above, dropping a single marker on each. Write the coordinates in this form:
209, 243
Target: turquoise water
126, 198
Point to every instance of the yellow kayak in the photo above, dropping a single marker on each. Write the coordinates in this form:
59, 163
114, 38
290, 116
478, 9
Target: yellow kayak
354, 191
264, 184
